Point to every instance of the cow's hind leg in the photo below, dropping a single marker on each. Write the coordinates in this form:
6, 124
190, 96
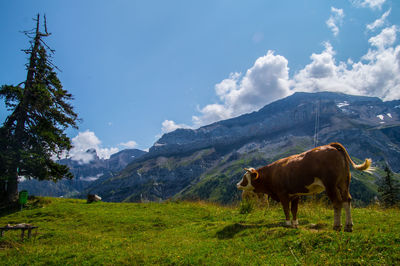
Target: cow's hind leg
335, 197
346, 197
337, 210
294, 207
347, 209
349, 221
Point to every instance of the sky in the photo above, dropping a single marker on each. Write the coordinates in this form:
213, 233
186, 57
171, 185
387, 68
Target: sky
139, 69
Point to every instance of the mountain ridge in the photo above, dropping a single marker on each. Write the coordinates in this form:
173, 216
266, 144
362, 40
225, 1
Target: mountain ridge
205, 163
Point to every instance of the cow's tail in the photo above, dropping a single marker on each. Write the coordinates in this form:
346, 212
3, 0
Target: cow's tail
366, 166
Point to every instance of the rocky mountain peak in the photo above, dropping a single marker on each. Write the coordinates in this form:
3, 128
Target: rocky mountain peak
295, 114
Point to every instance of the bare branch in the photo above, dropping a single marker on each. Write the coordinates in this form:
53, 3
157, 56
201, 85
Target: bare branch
45, 44
20, 83
45, 24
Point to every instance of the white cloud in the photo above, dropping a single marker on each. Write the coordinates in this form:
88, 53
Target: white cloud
267, 80
105, 153
91, 178
322, 74
81, 143
384, 39
335, 19
169, 126
212, 113
376, 74
129, 144
373, 4
379, 22
88, 140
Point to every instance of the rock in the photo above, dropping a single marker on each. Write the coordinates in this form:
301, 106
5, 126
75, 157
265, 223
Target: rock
93, 198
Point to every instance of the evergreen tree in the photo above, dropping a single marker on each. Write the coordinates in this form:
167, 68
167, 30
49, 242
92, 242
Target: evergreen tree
40, 112
388, 189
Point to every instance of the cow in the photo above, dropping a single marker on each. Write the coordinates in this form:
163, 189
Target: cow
322, 168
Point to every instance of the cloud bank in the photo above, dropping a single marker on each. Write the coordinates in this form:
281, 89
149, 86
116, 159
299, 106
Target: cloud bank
373, 4
266, 81
376, 73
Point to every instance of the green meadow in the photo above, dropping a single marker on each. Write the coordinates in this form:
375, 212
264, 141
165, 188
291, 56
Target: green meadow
72, 232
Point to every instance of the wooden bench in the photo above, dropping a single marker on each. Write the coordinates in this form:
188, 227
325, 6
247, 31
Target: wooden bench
21, 227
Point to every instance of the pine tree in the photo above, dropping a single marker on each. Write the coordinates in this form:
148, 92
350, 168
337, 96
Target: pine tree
40, 113
389, 189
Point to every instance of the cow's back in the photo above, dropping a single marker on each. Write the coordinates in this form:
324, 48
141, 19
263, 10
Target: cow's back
294, 173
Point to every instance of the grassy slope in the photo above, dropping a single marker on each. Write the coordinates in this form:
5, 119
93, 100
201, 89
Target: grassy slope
72, 232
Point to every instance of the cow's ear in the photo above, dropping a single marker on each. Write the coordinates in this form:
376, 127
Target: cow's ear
247, 170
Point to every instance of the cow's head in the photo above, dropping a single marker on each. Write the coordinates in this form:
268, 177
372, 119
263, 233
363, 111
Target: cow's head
246, 182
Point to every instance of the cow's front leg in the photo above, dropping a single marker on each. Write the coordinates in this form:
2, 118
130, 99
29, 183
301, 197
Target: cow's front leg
285, 205
294, 207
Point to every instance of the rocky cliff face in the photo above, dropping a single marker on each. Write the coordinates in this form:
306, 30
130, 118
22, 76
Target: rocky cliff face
206, 163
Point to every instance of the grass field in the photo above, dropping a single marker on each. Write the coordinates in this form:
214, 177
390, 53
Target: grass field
73, 232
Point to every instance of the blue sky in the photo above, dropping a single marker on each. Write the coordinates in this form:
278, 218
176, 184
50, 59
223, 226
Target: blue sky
138, 69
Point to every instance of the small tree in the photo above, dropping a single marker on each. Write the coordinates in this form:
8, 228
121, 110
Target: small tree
388, 189
40, 112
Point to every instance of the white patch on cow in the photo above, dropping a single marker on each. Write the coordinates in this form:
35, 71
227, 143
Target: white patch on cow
295, 222
381, 117
314, 188
288, 223
389, 115
248, 187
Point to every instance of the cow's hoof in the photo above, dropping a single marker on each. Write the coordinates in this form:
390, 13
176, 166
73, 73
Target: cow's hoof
348, 228
337, 228
295, 223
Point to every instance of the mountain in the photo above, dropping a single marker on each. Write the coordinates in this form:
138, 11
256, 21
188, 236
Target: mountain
206, 163
84, 173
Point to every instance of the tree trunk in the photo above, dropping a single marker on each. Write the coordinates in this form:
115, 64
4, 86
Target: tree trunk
3, 191
12, 189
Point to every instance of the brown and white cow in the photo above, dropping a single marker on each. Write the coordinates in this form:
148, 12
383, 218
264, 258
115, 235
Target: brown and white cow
311, 172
